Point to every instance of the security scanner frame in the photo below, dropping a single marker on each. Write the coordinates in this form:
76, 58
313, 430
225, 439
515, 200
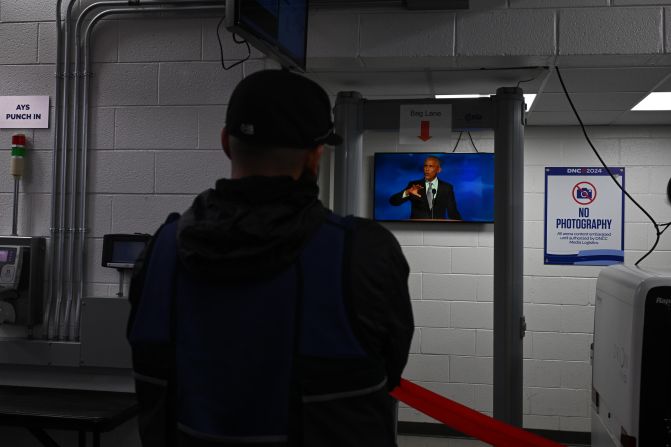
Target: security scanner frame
504, 113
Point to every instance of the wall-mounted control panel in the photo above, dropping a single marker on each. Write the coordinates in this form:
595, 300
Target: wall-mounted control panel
22, 263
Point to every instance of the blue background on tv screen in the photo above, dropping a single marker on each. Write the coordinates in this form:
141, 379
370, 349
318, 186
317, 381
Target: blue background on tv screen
471, 175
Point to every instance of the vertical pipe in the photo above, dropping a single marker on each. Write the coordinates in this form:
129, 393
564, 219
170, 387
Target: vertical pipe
508, 255
348, 170
59, 253
15, 213
54, 170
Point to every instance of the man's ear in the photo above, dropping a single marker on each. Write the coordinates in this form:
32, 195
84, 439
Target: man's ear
225, 142
314, 157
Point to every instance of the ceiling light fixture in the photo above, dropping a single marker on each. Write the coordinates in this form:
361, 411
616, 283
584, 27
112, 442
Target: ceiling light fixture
654, 101
528, 97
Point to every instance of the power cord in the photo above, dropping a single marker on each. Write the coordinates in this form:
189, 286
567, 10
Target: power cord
236, 40
659, 228
470, 137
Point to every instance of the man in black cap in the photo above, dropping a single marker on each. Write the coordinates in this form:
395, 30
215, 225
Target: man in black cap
259, 316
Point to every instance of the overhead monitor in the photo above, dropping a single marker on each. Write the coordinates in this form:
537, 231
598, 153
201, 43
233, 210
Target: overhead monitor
278, 28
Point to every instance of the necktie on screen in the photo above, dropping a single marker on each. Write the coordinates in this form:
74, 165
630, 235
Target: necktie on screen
429, 195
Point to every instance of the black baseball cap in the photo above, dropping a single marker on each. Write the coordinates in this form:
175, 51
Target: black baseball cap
281, 108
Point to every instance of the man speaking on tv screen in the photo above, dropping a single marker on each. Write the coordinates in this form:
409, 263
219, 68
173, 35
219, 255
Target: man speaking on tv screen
430, 197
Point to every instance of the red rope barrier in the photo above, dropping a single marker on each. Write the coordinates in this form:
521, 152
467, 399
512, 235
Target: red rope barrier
466, 420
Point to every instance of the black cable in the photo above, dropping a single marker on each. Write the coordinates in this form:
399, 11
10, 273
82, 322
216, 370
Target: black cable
531, 79
584, 131
235, 39
472, 142
458, 140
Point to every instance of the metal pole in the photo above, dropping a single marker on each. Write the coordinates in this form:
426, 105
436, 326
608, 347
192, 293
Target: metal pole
348, 158
509, 323
15, 216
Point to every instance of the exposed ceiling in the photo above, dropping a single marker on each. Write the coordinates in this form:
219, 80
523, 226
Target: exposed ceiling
602, 95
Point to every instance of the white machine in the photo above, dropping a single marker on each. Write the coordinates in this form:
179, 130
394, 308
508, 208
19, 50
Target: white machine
631, 371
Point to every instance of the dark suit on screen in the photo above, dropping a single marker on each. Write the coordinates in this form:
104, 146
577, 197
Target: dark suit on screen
444, 205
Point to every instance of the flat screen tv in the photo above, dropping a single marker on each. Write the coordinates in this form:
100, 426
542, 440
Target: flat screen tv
462, 189
278, 28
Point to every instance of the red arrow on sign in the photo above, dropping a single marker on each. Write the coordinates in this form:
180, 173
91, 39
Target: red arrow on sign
424, 135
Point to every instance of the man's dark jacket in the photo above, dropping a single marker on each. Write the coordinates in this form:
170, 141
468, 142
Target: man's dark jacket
444, 204
239, 236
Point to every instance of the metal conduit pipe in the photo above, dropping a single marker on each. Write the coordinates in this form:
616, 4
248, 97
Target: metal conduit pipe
82, 135
57, 253
54, 170
66, 329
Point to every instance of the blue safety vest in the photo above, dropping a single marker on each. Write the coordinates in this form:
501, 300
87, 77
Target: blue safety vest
268, 362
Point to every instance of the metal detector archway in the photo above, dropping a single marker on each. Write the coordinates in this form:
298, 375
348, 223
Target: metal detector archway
504, 113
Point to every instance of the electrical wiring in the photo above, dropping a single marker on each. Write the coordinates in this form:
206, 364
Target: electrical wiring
472, 142
657, 226
458, 140
235, 39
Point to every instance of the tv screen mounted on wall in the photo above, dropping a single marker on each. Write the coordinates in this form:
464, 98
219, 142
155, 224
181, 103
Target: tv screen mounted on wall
461, 187
278, 28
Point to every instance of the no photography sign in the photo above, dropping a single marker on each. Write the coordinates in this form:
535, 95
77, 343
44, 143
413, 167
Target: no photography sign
584, 216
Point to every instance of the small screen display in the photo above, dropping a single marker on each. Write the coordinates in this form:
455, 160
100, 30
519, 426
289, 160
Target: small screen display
462, 186
283, 23
4, 255
126, 251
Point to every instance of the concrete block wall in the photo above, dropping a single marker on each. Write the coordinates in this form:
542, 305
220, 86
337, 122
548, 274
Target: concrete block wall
159, 97
451, 276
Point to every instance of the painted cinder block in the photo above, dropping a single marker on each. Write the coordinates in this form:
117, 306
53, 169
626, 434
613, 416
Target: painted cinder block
28, 11
577, 375
454, 238
196, 83
549, 290
37, 173
509, 33
559, 402
333, 35
472, 315
554, 346
474, 370
415, 343
577, 319
156, 128
577, 151
101, 129
538, 422
105, 41
542, 373
646, 151
543, 317
46, 43
448, 341
121, 172
124, 84
427, 367
575, 424
543, 152
233, 52
27, 80
610, 31
449, 287
484, 290
459, 392
484, 343
139, 213
184, 172
428, 259
484, 398
160, 40
19, 43
431, 313
415, 286
99, 219
534, 234
406, 34
473, 260
211, 121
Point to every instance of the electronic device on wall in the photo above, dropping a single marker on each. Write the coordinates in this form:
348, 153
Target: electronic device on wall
22, 262
463, 192
120, 251
278, 28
